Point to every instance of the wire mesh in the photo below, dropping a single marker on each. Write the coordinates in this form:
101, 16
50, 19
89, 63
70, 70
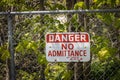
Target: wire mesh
29, 46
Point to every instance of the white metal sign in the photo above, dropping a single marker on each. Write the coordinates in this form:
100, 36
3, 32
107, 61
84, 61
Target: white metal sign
68, 47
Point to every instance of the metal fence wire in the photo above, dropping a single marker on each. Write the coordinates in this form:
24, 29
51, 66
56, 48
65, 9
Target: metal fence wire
22, 44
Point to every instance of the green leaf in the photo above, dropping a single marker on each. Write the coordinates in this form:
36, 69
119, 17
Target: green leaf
79, 5
5, 55
67, 75
117, 23
104, 54
42, 59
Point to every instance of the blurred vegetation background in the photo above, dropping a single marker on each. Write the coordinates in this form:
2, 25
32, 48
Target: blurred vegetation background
29, 39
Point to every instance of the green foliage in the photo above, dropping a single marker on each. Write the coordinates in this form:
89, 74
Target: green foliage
7, 2
107, 18
26, 46
99, 43
104, 4
42, 59
57, 71
116, 75
56, 6
27, 76
117, 23
32, 30
102, 70
32, 41
75, 22
98, 69
79, 5
104, 54
4, 53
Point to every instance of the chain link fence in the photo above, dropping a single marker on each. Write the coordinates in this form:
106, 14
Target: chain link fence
22, 44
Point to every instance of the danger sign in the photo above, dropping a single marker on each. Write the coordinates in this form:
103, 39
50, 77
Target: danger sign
68, 47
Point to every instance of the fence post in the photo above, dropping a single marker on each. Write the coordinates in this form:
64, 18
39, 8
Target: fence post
11, 50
